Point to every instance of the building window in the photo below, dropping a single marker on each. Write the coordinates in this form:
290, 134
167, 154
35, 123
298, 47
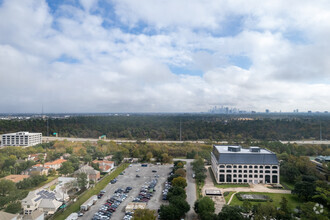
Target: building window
256, 171
228, 166
245, 176
255, 176
228, 178
274, 179
261, 176
240, 171
274, 171
261, 167
245, 166
222, 166
234, 171
250, 176
255, 167
240, 180
240, 175
221, 171
235, 180
250, 171
235, 166
245, 181
267, 171
250, 167
267, 167
245, 171
274, 167
261, 171
228, 171
222, 178
239, 166
235, 175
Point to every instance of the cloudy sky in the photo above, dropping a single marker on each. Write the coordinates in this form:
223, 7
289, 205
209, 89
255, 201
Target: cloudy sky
164, 55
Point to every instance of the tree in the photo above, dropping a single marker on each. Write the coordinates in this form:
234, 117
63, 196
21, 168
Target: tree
82, 180
14, 207
6, 187
231, 213
166, 158
176, 191
169, 212
247, 206
265, 212
87, 158
204, 207
144, 214
180, 203
304, 189
181, 172
118, 157
283, 212
149, 156
66, 168
180, 182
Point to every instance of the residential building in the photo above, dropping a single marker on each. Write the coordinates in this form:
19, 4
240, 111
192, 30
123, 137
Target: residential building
37, 157
35, 215
105, 166
42, 200
22, 138
56, 164
234, 164
64, 185
8, 216
91, 173
39, 170
16, 178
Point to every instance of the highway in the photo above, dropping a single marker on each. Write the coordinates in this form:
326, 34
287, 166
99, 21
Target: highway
47, 139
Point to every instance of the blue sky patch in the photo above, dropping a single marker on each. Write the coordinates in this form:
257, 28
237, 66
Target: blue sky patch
241, 61
66, 59
180, 70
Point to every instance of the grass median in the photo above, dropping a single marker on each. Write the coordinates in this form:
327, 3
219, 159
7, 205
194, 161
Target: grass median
74, 207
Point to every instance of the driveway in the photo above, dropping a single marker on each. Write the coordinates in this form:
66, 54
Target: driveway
190, 189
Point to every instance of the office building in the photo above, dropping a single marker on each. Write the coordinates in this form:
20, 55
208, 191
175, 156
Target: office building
234, 164
22, 138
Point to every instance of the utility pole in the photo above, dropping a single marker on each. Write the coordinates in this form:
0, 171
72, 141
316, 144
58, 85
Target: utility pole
180, 131
47, 127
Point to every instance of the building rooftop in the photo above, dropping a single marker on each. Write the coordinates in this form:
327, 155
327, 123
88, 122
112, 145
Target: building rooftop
21, 133
16, 178
237, 155
225, 149
58, 161
7, 216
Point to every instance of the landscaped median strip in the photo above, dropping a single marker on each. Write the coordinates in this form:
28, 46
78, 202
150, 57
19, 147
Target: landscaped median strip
74, 207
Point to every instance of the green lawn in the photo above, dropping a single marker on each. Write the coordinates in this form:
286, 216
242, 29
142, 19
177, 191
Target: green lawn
287, 185
231, 185
293, 200
86, 195
227, 197
50, 178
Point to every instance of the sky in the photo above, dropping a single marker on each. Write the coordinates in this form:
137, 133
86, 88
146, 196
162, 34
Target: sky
164, 55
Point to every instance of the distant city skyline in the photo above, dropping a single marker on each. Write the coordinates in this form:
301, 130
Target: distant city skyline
164, 56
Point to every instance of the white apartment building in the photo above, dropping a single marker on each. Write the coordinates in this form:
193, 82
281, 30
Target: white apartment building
234, 164
22, 138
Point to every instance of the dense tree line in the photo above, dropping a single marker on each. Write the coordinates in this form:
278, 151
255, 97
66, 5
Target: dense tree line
167, 127
176, 196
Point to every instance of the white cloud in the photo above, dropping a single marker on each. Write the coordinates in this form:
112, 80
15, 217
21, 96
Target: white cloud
127, 66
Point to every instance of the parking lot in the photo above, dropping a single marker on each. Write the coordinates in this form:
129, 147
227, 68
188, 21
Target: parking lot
129, 178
